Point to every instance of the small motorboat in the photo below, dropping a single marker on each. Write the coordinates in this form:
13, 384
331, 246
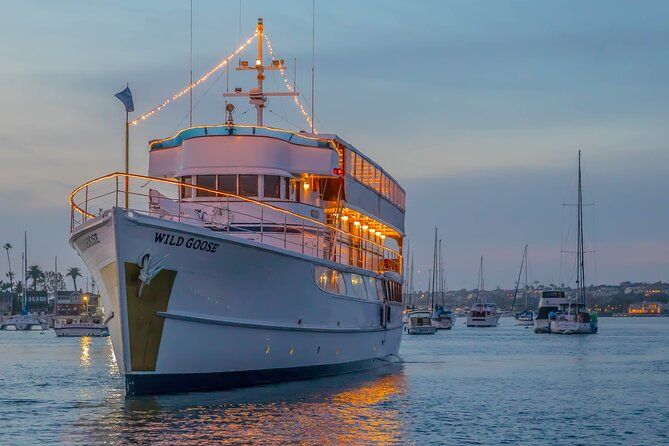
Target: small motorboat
419, 322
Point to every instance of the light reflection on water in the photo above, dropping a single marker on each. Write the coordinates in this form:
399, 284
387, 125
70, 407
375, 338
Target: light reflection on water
486, 386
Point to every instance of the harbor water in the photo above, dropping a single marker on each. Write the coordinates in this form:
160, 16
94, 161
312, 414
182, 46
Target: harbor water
503, 385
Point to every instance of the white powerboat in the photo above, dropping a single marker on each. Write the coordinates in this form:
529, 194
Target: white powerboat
420, 322
483, 314
247, 255
549, 302
80, 326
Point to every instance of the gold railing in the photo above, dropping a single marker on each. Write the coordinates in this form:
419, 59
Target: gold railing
247, 218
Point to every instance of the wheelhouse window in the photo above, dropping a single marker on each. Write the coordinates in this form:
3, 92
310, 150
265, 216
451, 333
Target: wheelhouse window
185, 191
248, 185
227, 183
358, 288
330, 280
272, 186
286, 188
208, 181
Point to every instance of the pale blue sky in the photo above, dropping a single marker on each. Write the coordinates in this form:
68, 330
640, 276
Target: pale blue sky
476, 107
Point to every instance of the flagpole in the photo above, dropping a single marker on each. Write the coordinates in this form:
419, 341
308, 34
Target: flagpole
127, 154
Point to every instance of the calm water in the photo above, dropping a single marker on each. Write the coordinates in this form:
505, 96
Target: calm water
468, 386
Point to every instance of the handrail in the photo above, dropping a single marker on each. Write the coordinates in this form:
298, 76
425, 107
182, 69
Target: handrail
86, 214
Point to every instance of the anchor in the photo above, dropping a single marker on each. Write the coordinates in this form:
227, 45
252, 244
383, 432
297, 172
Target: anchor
148, 270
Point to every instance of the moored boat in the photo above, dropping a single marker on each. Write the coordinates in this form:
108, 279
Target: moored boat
420, 322
525, 317
482, 313
248, 255
80, 326
573, 317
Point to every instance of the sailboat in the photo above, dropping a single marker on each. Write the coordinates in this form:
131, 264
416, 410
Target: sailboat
482, 313
442, 318
572, 317
525, 317
24, 321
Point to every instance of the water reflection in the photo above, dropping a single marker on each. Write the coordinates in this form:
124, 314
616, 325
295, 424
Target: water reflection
338, 410
85, 357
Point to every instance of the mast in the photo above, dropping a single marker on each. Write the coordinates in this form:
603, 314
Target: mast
25, 272
520, 271
580, 255
434, 271
527, 305
257, 96
190, 94
480, 284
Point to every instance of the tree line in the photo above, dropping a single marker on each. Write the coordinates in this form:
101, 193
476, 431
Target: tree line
37, 278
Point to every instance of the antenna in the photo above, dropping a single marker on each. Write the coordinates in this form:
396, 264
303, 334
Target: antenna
313, 60
190, 93
258, 97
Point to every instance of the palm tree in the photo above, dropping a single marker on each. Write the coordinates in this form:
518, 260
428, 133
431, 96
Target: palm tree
74, 272
35, 273
7, 247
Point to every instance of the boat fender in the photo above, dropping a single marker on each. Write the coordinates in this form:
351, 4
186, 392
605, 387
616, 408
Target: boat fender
382, 308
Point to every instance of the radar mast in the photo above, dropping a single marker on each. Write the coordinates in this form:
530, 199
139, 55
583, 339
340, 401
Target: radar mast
257, 96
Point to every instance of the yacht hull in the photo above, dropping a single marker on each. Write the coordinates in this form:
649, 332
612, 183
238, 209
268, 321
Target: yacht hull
487, 321
442, 323
190, 309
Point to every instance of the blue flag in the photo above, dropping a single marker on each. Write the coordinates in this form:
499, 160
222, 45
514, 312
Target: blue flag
126, 97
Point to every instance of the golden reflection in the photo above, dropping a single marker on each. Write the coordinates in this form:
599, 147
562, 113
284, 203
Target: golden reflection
85, 357
353, 409
112, 366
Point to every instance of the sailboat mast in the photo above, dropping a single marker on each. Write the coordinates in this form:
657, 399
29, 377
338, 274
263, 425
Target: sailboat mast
579, 249
434, 270
526, 260
25, 271
520, 271
478, 289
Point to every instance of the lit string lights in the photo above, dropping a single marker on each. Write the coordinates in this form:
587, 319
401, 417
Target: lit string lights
289, 86
204, 77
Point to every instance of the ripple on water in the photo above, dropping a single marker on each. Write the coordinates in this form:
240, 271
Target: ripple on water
466, 386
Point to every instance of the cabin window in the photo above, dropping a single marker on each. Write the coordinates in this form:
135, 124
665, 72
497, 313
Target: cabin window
358, 286
185, 190
330, 280
286, 188
272, 186
372, 289
227, 183
208, 181
248, 185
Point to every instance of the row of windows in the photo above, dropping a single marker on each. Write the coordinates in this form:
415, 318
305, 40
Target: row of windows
345, 284
373, 177
246, 185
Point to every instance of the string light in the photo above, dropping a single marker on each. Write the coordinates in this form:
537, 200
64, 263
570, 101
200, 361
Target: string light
204, 77
289, 86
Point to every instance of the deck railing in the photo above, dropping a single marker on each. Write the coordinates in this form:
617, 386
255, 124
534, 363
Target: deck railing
229, 213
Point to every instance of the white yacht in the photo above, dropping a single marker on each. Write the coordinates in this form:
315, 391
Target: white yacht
419, 322
482, 313
78, 326
549, 302
247, 255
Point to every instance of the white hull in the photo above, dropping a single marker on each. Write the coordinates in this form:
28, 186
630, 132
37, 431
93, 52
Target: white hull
524, 322
81, 331
422, 329
23, 323
572, 327
239, 313
486, 321
442, 323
